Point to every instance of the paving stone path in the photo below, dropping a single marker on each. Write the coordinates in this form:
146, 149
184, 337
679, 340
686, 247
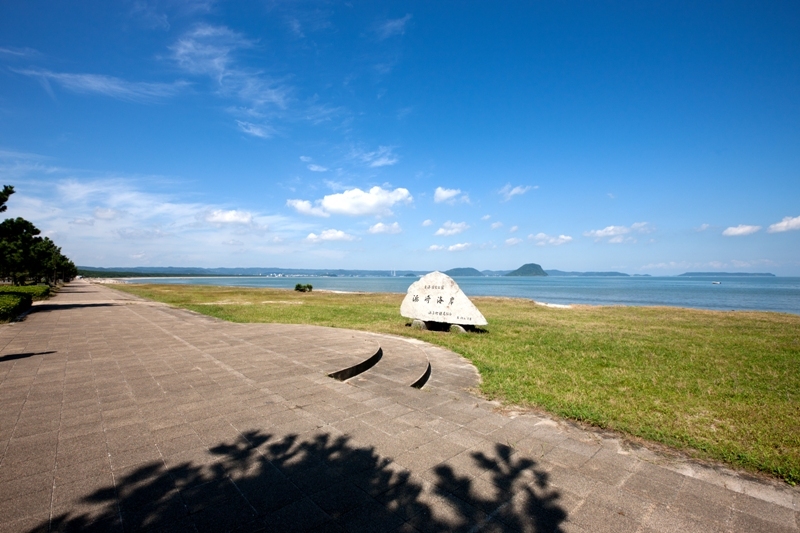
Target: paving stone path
120, 414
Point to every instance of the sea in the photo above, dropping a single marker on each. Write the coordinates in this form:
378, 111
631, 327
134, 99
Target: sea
732, 293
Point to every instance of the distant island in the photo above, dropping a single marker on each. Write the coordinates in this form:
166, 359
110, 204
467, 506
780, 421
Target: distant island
726, 274
530, 269
562, 273
463, 272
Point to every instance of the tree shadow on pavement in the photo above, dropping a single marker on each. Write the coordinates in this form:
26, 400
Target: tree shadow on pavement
320, 483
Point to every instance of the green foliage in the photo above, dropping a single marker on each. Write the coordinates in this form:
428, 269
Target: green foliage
13, 305
719, 385
25, 256
303, 288
37, 292
7, 191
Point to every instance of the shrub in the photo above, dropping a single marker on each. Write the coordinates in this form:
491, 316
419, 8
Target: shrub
13, 305
37, 292
303, 288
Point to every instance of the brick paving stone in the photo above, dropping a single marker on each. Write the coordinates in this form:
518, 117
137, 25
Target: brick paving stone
182, 422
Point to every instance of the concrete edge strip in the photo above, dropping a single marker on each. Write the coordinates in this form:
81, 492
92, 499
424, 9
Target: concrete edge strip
423, 379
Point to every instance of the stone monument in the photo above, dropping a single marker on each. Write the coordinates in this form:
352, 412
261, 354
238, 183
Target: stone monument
435, 297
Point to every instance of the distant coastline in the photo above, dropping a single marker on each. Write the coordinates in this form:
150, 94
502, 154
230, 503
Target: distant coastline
143, 272
726, 274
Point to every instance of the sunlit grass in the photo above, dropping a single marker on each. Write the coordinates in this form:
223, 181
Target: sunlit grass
720, 385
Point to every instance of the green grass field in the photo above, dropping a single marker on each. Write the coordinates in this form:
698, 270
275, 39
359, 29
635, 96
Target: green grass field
719, 385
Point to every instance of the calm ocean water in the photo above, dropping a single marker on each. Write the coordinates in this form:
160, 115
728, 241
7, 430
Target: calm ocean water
733, 293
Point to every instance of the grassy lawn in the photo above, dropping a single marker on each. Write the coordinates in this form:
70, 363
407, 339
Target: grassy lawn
720, 385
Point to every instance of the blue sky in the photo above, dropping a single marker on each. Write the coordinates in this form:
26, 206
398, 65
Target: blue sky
644, 137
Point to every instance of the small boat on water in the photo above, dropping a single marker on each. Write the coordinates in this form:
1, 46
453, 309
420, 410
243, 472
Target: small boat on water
716, 282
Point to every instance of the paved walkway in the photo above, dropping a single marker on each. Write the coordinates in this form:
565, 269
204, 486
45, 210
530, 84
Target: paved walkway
122, 414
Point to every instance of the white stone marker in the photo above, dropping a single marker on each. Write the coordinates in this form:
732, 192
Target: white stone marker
435, 297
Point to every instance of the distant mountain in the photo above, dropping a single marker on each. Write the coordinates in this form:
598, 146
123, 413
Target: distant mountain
495, 272
530, 269
563, 273
726, 274
463, 272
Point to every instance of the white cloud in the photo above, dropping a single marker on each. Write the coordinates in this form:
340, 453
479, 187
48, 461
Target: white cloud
317, 168
740, 230
486, 217
513, 229
509, 192
787, 224
304, 207
442, 195
330, 235
459, 247
451, 228
435, 247
218, 216
513, 241
427, 222
355, 202
702, 228
392, 27
617, 234
106, 85
543, 239
496, 225
382, 157
305, 158
256, 130
380, 227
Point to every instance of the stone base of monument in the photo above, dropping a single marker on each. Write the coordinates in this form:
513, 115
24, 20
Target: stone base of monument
442, 326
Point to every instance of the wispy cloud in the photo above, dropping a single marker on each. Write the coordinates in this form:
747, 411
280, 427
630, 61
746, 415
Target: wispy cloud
787, 224
427, 222
513, 241
392, 27
211, 51
382, 157
619, 234
317, 168
106, 85
513, 229
741, 230
354, 202
330, 235
262, 131
508, 192
380, 227
542, 239
702, 228
486, 217
451, 228
19, 53
496, 225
